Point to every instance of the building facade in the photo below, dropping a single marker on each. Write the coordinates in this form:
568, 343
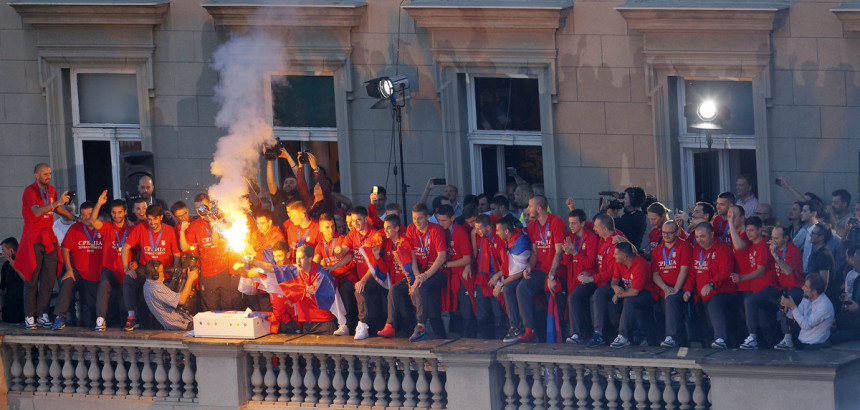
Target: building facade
582, 96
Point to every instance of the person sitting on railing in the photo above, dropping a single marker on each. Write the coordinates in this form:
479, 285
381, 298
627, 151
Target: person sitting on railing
397, 261
344, 274
636, 293
814, 316
164, 304
712, 267
670, 267
82, 257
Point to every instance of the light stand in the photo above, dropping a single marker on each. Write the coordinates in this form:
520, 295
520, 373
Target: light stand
392, 91
398, 108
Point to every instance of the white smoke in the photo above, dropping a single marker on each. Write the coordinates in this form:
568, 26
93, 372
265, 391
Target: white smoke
243, 64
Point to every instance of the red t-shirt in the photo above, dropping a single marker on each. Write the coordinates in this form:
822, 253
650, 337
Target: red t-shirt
585, 259
713, 265
85, 248
637, 276
301, 236
721, 229
113, 239
742, 266
759, 254
605, 260
260, 241
669, 261
655, 237
159, 245
544, 238
459, 245
212, 257
33, 195
389, 263
326, 251
426, 245
793, 257
355, 241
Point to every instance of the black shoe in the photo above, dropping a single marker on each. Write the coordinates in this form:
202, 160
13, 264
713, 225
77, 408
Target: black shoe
512, 335
596, 340
418, 335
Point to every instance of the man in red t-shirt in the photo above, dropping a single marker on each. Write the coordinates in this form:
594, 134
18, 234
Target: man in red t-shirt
637, 294
580, 258
430, 248
546, 232
457, 267
395, 258
760, 295
343, 273
670, 267
721, 223
157, 241
788, 264
713, 263
38, 259
300, 229
82, 254
369, 294
216, 290
602, 306
489, 253
114, 235
657, 216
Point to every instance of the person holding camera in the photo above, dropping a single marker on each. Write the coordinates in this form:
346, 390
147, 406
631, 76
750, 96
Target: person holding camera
633, 222
814, 315
165, 304
38, 260
288, 192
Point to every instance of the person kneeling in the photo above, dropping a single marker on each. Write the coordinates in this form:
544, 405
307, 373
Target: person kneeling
165, 304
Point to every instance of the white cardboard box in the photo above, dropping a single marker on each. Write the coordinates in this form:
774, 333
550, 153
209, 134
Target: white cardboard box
231, 325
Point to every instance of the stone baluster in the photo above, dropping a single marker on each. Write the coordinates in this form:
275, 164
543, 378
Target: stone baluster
56, 370
175, 376
551, 387
324, 382
270, 380
16, 371
580, 391
94, 373
699, 392
639, 393
653, 389
668, 390
188, 376
436, 385
352, 381
29, 369
508, 387
256, 377
537, 386
310, 380
626, 393
365, 383
684, 392
81, 372
523, 389
393, 383
596, 389
283, 379
120, 373
379, 383
68, 371
108, 373
160, 374
408, 385
42, 370
421, 385
296, 380
133, 373
146, 374
566, 387
611, 389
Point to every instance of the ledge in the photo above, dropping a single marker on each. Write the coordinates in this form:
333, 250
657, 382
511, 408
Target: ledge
329, 14
485, 14
92, 12
849, 15
693, 16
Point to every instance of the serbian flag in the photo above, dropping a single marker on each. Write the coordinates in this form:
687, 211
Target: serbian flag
553, 329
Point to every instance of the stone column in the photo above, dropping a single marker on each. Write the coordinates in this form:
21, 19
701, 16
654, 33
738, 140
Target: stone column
221, 364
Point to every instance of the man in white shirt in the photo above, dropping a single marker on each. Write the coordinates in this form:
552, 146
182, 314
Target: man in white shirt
745, 197
815, 314
62, 225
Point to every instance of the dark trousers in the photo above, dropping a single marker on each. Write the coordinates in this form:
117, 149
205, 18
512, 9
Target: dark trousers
108, 286
673, 310
488, 314
259, 302
88, 291
796, 294
512, 304
466, 312
719, 308
427, 299
578, 309
319, 328
638, 313
401, 311
37, 291
370, 303
217, 293
347, 295
760, 309
132, 294
523, 308
604, 308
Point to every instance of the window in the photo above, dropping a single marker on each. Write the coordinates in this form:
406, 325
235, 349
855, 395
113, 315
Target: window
712, 161
106, 124
504, 130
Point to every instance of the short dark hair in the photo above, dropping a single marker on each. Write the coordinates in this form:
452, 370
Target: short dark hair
470, 199
483, 219
637, 196
754, 221
87, 205
281, 246
501, 201
747, 178
605, 220
325, 216
579, 214
626, 248
707, 209
824, 231
118, 202
381, 190
469, 211
446, 210
11, 242
504, 224
138, 200
816, 282
201, 197
484, 195
394, 206
740, 210
177, 206
151, 269
814, 206
706, 226
393, 218
306, 250
437, 202
265, 213
154, 210
358, 211
728, 196
658, 209
421, 207
843, 195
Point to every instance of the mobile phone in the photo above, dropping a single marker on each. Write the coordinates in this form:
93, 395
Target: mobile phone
71, 195
376, 189
511, 171
438, 181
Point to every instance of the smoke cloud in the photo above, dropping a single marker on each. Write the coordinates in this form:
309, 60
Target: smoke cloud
243, 63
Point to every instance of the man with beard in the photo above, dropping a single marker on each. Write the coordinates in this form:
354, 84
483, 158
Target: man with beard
759, 277
82, 254
369, 294
146, 191
114, 234
712, 268
580, 258
300, 229
720, 223
343, 273
430, 248
602, 306
284, 195
788, 264
457, 267
198, 237
670, 267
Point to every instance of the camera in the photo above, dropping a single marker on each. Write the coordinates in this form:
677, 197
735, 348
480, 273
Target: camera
302, 157
271, 153
180, 278
853, 220
71, 195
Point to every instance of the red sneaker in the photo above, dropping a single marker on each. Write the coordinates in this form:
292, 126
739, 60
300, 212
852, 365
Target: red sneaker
528, 336
386, 332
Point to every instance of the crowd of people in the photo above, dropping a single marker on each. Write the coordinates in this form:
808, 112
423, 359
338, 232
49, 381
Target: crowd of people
493, 266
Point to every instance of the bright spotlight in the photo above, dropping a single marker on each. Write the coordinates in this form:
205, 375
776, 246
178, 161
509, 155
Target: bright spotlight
707, 111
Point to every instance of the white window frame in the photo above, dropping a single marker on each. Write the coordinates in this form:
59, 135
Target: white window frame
114, 133
692, 143
479, 139
305, 134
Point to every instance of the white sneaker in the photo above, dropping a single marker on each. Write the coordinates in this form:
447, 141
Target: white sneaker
45, 321
29, 323
100, 324
362, 331
750, 343
785, 344
342, 330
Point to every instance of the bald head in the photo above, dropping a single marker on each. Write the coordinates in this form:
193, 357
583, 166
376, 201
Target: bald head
145, 186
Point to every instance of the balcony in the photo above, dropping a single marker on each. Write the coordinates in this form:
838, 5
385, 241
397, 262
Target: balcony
77, 368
